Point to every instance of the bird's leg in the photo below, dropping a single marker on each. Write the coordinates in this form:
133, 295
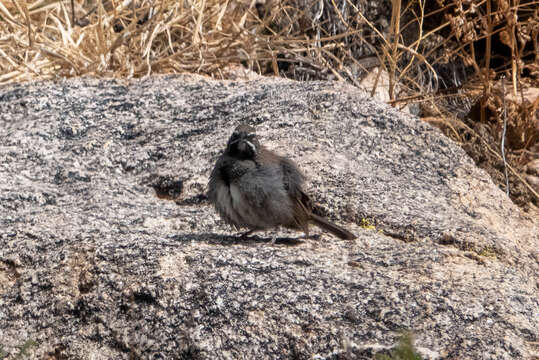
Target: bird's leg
311, 236
245, 234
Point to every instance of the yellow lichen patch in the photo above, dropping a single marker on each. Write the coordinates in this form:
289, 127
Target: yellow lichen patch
367, 225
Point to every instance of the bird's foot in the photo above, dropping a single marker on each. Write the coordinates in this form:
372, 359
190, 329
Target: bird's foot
246, 234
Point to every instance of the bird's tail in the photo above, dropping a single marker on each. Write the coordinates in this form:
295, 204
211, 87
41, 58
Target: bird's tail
332, 228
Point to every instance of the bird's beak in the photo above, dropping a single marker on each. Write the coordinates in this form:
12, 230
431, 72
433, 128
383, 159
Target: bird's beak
246, 145
242, 146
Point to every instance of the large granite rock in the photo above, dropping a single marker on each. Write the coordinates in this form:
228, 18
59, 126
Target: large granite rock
110, 250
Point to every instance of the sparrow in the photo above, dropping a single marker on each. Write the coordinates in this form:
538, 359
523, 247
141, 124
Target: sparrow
253, 188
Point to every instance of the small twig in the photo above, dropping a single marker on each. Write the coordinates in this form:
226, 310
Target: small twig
526, 151
493, 152
503, 137
393, 50
72, 13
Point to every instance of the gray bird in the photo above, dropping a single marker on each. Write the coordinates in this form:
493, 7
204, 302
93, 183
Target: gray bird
252, 187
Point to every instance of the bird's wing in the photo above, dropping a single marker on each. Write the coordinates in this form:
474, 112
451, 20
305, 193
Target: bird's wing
219, 190
293, 180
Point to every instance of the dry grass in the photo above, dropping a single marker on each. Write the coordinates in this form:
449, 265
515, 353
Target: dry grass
47, 39
42, 39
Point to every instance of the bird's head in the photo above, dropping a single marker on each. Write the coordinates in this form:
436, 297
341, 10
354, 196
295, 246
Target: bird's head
243, 143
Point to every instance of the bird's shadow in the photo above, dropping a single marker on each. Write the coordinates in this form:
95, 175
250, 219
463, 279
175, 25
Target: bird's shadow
253, 240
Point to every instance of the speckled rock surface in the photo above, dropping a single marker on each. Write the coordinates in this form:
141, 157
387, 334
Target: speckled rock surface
108, 248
